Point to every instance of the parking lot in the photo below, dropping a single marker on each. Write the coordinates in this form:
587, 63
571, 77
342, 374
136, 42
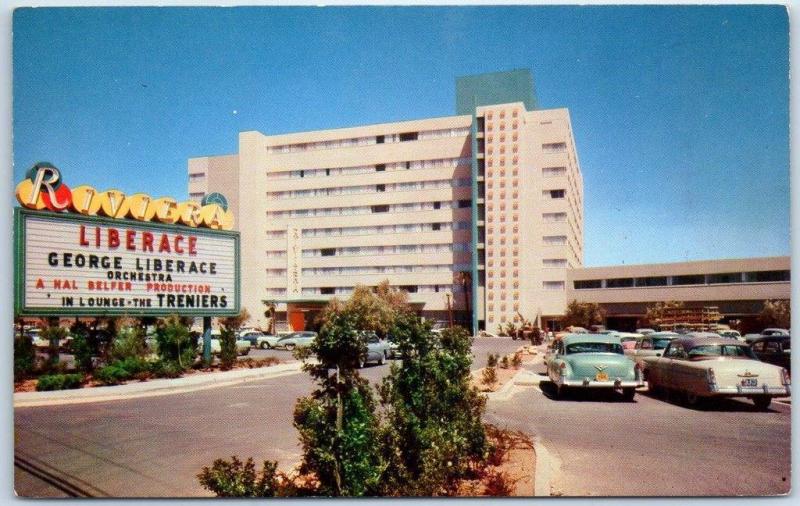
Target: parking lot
155, 446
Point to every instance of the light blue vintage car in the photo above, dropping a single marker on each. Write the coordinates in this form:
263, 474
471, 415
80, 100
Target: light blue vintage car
593, 361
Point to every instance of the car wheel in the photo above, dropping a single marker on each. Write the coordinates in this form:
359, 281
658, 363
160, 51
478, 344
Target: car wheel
382, 360
264, 346
289, 347
628, 394
762, 403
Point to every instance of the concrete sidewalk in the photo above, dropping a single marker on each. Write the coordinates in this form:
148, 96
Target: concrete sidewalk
150, 388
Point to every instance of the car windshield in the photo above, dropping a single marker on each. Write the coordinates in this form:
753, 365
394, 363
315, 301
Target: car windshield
589, 347
721, 350
660, 344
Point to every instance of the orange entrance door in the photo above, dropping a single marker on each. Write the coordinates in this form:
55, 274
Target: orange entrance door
297, 320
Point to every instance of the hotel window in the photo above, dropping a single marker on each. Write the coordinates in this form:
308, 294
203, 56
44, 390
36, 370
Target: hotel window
692, 279
554, 240
327, 252
619, 283
766, 276
379, 139
197, 175
554, 147
381, 167
554, 194
554, 262
464, 203
380, 188
586, 284
327, 290
198, 195
380, 209
553, 171
409, 136
553, 285
652, 281
436, 226
551, 217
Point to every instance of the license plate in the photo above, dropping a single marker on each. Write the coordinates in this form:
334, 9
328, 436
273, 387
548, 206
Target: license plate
601, 376
749, 382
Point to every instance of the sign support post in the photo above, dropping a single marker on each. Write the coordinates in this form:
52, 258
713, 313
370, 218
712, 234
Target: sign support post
207, 340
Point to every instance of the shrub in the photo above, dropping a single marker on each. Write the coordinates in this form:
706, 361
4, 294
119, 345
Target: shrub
516, 360
59, 382
227, 353
54, 334
24, 357
174, 342
82, 352
232, 479
129, 343
498, 484
112, 374
491, 360
489, 376
504, 362
166, 369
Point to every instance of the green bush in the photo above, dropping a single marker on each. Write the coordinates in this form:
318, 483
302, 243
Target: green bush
54, 334
516, 360
128, 343
227, 353
166, 369
59, 382
504, 362
491, 360
489, 377
232, 479
175, 344
24, 357
82, 351
122, 370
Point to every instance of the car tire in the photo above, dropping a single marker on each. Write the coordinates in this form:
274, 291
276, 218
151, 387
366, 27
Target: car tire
289, 347
762, 403
382, 360
628, 394
264, 346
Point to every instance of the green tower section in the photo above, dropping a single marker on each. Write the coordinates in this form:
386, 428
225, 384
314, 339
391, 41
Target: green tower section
495, 88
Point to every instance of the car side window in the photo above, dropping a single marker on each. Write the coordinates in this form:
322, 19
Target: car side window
759, 347
676, 351
647, 344
772, 347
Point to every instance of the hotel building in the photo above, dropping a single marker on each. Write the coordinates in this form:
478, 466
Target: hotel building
482, 210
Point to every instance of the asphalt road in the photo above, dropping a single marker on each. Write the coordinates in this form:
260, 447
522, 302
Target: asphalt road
154, 447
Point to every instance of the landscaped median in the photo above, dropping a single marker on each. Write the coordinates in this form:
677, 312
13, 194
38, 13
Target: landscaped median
499, 371
198, 380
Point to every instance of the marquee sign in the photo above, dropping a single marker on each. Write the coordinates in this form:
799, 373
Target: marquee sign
79, 264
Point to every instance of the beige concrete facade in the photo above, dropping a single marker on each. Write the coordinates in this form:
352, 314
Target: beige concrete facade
737, 286
320, 212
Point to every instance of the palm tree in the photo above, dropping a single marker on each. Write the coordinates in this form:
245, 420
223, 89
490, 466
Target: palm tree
270, 313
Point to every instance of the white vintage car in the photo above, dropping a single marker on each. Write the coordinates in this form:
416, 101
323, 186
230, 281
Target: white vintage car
649, 346
700, 368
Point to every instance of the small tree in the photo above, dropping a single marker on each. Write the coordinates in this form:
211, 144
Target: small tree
776, 313
337, 423
24, 356
227, 338
583, 314
54, 334
174, 342
373, 309
232, 479
81, 348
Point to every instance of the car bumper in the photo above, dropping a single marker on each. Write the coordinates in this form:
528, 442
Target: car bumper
775, 391
587, 383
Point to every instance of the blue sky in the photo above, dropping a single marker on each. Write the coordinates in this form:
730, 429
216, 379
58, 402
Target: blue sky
680, 114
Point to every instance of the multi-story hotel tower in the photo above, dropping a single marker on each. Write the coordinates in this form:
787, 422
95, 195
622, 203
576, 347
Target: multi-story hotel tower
482, 210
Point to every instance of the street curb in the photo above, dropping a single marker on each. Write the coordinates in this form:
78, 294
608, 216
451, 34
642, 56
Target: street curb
153, 388
547, 471
508, 390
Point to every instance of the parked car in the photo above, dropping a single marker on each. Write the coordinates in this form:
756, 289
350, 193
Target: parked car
774, 332
774, 350
645, 331
627, 339
377, 350
549, 352
649, 346
731, 334
700, 368
267, 341
251, 336
749, 338
242, 346
593, 361
296, 340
